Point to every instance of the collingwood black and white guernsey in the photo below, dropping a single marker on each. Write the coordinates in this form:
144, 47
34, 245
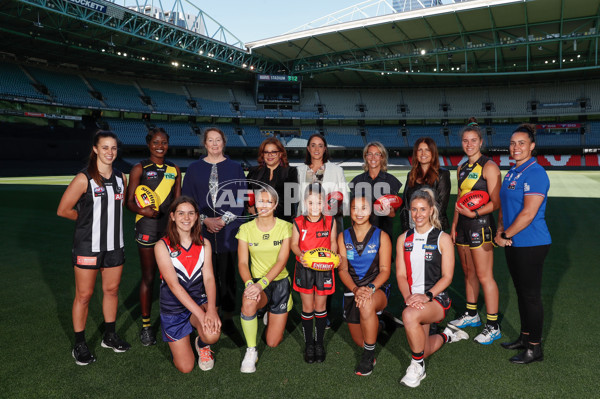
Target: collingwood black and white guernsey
99, 225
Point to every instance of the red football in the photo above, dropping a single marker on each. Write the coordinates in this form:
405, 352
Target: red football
251, 198
333, 199
392, 200
474, 199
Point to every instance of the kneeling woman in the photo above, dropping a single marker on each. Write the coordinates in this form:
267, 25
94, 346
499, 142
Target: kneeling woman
366, 257
267, 240
424, 270
187, 289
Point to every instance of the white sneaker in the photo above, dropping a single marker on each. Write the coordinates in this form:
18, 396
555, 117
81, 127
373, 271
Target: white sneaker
206, 360
455, 334
249, 362
488, 335
467, 321
414, 374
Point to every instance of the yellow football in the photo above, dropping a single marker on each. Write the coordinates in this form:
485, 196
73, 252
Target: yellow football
321, 259
145, 196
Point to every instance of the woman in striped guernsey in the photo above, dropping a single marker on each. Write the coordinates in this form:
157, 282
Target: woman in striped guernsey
424, 270
94, 200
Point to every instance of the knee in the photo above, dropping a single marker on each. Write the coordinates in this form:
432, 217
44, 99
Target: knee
410, 317
249, 307
211, 339
185, 367
273, 342
111, 290
83, 297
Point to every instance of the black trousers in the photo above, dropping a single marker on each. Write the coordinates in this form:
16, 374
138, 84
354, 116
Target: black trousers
225, 269
525, 265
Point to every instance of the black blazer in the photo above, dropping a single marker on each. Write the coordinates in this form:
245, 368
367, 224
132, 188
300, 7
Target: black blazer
441, 188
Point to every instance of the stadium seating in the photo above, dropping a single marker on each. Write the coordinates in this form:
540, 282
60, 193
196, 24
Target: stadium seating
65, 88
131, 132
119, 96
14, 82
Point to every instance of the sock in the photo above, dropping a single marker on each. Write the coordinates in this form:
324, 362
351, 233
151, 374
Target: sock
79, 337
446, 338
201, 344
109, 328
250, 328
146, 321
471, 309
320, 324
492, 319
418, 357
307, 327
369, 348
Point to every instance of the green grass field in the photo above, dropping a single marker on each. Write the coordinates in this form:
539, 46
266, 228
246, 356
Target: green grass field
36, 331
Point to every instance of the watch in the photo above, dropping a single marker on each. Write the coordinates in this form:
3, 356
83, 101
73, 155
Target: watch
503, 235
429, 295
372, 287
202, 217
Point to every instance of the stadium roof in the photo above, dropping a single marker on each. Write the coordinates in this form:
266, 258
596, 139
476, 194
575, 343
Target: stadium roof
486, 39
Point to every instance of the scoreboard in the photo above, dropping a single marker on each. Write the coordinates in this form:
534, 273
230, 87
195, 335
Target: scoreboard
278, 89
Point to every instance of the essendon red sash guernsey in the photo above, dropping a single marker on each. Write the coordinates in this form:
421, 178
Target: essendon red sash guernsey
423, 259
188, 264
314, 234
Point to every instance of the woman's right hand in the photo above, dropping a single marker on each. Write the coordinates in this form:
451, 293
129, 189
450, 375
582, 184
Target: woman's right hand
453, 234
253, 291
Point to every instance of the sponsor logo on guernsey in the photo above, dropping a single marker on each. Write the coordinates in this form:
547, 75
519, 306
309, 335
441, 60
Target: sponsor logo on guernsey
429, 247
98, 191
512, 185
170, 176
276, 243
526, 187
473, 176
86, 260
321, 234
372, 246
151, 174
118, 197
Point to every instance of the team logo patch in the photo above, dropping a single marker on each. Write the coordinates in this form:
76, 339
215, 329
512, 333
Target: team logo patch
321, 234
526, 187
98, 191
151, 174
86, 260
144, 237
170, 176
175, 254
512, 185
349, 247
475, 235
428, 256
327, 283
430, 247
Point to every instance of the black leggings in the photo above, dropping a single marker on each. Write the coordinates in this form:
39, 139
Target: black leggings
225, 269
525, 265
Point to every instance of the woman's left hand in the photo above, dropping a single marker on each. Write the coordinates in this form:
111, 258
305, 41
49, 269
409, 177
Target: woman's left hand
501, 242
417, 301
212, 322
362, 296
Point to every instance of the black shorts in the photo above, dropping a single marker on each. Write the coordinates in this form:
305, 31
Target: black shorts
147, 240
475, 232
279, 298
97, 260
445, 302
351, 312
307, 281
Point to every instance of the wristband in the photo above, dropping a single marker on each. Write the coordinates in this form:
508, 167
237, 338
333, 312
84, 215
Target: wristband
503, 235
355, 289
477, 214
248, 283
264, 282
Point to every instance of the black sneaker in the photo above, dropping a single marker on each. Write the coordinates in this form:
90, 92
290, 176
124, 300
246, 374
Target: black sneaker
82, 355
147, 336
115, 343
367, 362
319, 353
309, 353
328, 324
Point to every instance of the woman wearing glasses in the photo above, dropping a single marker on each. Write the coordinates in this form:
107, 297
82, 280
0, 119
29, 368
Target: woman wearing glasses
376, 182
273, 169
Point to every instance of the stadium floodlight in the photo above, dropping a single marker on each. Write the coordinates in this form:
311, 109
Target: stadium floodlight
423, 51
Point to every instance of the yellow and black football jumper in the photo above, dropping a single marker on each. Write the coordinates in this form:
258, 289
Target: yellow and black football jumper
477, 231
161, 179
